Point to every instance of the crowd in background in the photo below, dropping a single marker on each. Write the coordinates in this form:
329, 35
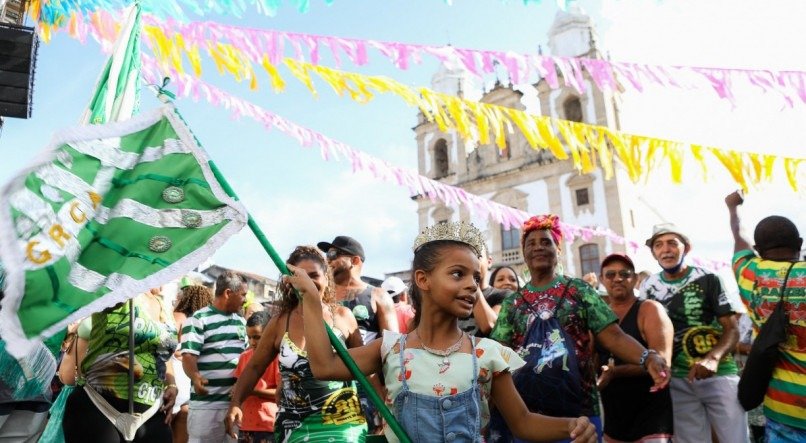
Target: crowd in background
619, 356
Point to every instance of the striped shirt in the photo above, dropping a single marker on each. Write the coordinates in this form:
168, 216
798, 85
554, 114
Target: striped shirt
217, 338
760, 288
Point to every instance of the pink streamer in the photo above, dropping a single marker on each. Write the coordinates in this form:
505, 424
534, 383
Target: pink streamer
720, 81
360, 161
255, 43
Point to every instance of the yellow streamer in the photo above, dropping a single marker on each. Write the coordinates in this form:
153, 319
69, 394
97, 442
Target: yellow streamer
555, 145
300, 71
791, 168
277, 82
588, 144
733, 163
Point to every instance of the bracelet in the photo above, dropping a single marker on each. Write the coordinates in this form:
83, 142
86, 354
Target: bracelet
169, 387
645, 355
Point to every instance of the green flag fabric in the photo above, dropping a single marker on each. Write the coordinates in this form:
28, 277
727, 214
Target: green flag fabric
107, 212
117, 92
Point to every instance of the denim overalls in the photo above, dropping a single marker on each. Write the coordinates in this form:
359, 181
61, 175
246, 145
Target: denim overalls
453, 418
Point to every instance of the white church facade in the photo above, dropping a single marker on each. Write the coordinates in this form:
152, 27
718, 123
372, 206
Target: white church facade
529, 179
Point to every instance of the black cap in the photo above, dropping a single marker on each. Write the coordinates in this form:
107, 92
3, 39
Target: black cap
344, 243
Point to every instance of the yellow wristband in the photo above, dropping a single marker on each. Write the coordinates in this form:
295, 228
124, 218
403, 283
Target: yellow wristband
170, 386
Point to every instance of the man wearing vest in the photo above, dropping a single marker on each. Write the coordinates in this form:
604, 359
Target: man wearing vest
704, 374
372, 307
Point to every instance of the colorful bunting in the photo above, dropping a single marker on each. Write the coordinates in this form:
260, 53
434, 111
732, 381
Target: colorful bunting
55, 14
360, 161
588, 144
252, 46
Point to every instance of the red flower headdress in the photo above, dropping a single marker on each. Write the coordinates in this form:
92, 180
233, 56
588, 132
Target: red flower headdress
549, 222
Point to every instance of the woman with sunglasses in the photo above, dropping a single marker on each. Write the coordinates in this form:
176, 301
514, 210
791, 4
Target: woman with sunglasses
633, 412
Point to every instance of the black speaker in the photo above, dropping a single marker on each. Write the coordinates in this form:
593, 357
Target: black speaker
18, 45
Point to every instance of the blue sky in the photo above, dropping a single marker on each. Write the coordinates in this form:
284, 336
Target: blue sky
298, 198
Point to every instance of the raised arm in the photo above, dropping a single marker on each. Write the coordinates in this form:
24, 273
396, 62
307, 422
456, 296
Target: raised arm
325, 364
733, 201
387, 317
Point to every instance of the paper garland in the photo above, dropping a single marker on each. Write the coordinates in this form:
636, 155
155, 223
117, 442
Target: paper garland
253, 45
509, 217
55, 13
589, 145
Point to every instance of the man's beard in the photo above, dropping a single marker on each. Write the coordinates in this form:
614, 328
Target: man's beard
341, 276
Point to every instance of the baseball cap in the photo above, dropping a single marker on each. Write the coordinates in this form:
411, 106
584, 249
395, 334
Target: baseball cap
666, 228
618, 257
394, 286
344, 243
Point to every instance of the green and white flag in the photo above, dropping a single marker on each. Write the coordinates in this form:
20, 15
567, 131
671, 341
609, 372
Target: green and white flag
117, 91
108, 211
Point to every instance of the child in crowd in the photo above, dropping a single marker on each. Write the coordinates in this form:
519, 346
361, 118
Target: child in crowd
439, 379
259, 408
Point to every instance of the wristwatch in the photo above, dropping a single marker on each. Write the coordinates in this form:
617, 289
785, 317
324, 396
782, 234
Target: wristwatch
645, 355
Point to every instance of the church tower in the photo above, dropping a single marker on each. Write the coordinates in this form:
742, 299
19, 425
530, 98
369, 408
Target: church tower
529, 179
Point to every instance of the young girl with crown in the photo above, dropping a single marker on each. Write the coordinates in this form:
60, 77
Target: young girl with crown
439, 379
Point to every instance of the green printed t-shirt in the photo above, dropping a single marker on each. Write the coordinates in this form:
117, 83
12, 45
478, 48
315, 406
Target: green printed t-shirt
106, 367
580, 310
694, 303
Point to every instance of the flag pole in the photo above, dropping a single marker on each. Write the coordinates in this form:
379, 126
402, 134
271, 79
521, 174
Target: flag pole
337, 344
131, 356
167, 97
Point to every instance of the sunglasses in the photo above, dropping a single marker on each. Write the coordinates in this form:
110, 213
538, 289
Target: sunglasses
624, 274
334, 253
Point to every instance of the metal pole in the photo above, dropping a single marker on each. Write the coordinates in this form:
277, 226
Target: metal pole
131, 356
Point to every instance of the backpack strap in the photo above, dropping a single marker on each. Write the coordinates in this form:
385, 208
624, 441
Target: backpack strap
783, 286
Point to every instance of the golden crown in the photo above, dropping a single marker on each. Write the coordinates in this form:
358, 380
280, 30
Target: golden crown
455, 231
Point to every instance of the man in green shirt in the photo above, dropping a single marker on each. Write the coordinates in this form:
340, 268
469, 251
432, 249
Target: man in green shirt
704, 381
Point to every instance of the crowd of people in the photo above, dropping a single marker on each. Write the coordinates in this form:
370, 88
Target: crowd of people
462, 353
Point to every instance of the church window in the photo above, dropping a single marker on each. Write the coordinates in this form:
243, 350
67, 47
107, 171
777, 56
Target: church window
572, 109
510, 238
582, 197
589, 258
441, 158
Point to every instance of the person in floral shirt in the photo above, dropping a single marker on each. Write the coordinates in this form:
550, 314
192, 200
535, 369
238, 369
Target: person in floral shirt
549, 318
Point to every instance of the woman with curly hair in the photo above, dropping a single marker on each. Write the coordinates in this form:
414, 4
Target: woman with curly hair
310, 409
191, 298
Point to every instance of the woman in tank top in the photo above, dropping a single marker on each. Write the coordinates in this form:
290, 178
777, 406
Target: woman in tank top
311, 410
